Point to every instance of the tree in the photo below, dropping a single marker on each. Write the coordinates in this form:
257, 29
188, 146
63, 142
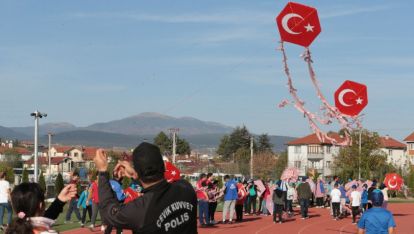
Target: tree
25, 176
281, 164
183, 147
163, 142
59, 184
12, 158
9, 172
373, 160
264, 165
264, 144
42, 182
238, 139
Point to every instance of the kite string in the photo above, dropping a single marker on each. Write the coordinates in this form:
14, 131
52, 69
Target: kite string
332, 112
299, 104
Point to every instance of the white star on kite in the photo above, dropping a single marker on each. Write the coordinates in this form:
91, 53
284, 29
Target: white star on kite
309, 28
173, 173
359, 101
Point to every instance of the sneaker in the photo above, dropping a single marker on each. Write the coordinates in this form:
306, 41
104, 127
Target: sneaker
102, 228
280, 222
230, 222
302, 218
67, 221
82, 225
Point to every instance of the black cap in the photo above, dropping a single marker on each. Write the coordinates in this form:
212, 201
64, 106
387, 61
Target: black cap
148, 162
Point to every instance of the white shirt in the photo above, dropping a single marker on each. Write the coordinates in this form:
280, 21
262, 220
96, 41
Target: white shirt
356, 198
4, 191
335, 195
385, 193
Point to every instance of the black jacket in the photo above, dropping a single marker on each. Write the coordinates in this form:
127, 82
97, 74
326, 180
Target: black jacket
164, 208
54, 209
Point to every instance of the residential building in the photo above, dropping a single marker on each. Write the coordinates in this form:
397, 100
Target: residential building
395, 151
310, 153
409, 140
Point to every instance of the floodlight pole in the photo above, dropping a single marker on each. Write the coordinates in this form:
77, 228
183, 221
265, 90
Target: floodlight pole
37, 115
359, 155
251, 157
50, 154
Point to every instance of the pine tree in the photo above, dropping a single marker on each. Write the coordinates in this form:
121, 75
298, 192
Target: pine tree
25, 176
42, 181
59, 184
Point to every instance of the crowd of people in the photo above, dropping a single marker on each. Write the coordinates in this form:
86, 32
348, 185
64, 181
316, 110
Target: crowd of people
242, 197
155, 204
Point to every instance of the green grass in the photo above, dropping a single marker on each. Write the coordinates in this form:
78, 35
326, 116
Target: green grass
60, 225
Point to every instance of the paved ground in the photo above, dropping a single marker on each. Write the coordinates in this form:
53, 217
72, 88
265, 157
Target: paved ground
320, 222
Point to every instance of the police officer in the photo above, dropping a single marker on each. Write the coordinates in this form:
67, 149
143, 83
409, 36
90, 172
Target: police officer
163, 208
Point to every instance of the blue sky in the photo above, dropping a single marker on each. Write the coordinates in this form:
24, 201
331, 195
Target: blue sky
92, 61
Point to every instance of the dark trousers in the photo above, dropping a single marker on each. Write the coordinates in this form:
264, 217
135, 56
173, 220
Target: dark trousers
327, 201
289, 206
355, 212
304, 206
8, 207
277, 210
260, 204
73, 207
203, 216
335, 208
108, 229
251, 204
212, 206
88, 210
364, 207
319, 201
239, 212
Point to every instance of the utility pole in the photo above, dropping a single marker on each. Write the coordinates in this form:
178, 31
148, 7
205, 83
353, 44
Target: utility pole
174, 132
37, 115
50, 154
251, 157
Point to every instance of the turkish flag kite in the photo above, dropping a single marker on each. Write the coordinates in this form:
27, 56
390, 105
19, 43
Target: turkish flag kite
393, 181
171, 173
298, 24
351, 97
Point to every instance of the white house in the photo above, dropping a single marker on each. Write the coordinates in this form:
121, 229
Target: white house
310, 153
395, 151
409, 140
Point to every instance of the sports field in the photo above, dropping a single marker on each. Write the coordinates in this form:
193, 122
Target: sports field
320, 222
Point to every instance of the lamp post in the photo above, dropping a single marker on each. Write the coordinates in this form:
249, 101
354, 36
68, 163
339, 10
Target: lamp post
359, 155
50, 154
251, 157
37, 115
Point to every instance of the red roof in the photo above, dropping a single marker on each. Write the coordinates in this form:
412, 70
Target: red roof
45, 160
391, 143
313, 140
89, 153
410, 137
19, 150
63, 149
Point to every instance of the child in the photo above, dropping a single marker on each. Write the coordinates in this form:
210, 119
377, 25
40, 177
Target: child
336, 201
28, 201
364, 197
355, 203
290, 197
278, 201
241, 197
86, 205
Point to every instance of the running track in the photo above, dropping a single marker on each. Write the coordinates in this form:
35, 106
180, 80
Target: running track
320, 222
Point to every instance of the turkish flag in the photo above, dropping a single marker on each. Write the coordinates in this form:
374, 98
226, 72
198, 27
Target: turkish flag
171, 173
393, 181
298, 24
351, 98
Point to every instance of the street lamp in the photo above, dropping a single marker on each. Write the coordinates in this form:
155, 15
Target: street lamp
359, 155
37, 115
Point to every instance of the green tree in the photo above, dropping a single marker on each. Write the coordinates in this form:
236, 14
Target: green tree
373, 160
25, 176
163, 142
238, 139
264, 144
281, 164
183, 147
59, 184
12, 158
42, 181
9, 172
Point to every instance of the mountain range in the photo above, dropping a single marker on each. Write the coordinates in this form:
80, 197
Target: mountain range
130, 131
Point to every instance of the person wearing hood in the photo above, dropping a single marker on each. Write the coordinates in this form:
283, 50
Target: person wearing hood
304, 195
278, 198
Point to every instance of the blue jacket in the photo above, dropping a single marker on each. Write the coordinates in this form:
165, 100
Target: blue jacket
83, 199
117, 188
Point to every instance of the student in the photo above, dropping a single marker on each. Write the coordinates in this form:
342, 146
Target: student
304, 195
213, 193
252, 193
94, 196
278, 204
290, 196
335, 201
241, 197
202, 197
319, 193
73, 204
364, 197
355, 203
28, 201
4, 199
230, 197
384, 191
376, 220
86, 205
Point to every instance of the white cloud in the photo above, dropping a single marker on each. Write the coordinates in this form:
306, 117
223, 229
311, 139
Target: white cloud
346, 11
